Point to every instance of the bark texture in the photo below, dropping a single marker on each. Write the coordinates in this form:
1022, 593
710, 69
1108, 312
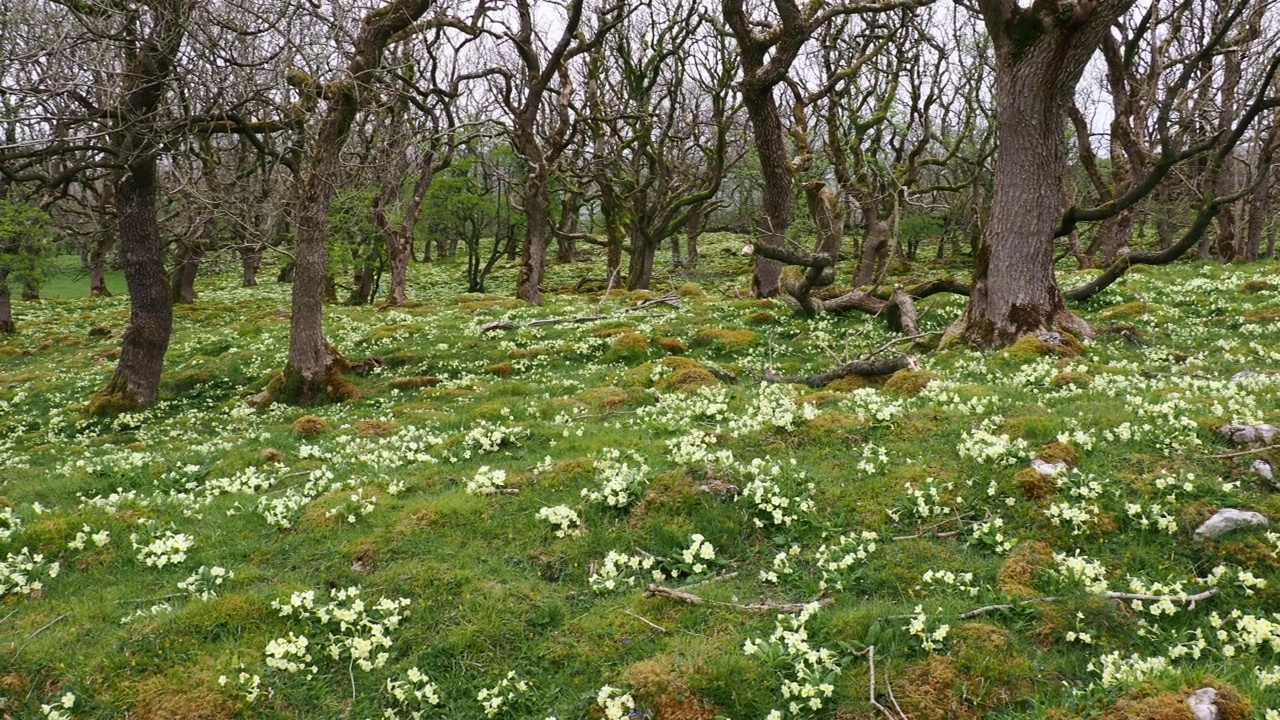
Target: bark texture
136, 382
312, 372
1040, 53
6, 304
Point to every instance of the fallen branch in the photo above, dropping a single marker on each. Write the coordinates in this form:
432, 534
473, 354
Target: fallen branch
860, 368
672, 300
917, 536
708, 581
1238, 453
1191, 600
648, 622
48, 625
768, 606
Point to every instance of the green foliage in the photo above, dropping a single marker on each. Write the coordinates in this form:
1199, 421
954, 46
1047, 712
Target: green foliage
26, 236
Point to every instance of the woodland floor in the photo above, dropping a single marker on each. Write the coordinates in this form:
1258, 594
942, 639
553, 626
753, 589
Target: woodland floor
168, 541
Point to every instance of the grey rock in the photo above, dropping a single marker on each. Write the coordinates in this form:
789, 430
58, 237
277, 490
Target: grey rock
1048, 469
1229, 519
1264, 470
1204, 704
1248, 434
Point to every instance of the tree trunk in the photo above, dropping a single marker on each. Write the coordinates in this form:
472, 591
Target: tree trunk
98, 251
307, 367
640, 266
1039, 59
6, 305
566, 245
537, 212
1114, 233
250, 262
183, 281
312, 368
1259, 202
136, 382
692, 229
873, 249
766, 126
1259, 209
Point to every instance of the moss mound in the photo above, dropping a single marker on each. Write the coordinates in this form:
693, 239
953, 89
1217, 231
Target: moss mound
1030, 347
672, 373
723, 339
673, 345
1127, 310
1033, 485
310, 426
627, 346
1257, 285
1173, 705
1018, 570
605, 398
906, 383
1059, 452
853, 382
415, 382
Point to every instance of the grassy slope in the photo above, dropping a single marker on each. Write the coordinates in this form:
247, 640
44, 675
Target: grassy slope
493, 590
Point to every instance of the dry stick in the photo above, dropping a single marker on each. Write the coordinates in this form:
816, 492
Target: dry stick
917, 536
648, 622
1190, 599
870, 652
717, 578
681, 596
893, 699
50, 624
1254, 451
896, 341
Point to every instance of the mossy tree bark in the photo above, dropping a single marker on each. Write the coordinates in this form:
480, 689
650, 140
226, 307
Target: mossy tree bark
312, 367
1040, 53
136, 382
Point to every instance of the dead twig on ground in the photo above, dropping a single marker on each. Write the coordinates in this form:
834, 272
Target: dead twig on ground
1191, 601
654, 590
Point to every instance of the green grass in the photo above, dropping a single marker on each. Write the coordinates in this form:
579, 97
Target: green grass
492, 590
64, 280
